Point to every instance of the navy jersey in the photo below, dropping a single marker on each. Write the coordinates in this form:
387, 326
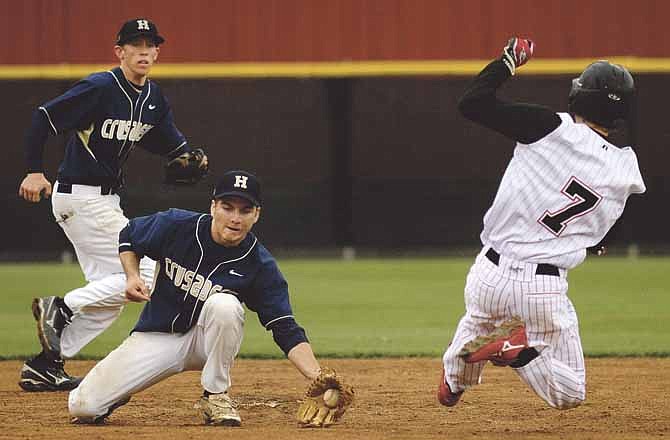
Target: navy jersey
110, 116
193, 267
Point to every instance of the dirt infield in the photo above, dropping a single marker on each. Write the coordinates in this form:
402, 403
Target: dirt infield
627, 398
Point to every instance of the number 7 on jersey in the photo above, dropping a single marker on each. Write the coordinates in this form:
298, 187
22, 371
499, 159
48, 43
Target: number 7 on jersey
584, 200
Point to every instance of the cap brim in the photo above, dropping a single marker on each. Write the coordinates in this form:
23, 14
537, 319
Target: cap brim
241, 194
155, 37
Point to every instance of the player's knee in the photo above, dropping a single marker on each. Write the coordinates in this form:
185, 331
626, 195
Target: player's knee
568, 402
83, 405
225, 309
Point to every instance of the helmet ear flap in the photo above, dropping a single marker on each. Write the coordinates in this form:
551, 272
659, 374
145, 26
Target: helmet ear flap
572, 96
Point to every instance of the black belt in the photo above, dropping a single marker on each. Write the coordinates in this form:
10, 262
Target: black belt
542, 268
105, 190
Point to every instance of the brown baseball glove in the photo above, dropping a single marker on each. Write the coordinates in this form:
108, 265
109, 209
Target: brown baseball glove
326, 400
187, 168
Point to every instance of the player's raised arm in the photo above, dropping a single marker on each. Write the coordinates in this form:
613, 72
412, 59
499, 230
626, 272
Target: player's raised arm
525, 123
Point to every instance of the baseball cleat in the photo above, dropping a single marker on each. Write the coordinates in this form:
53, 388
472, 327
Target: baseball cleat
51, 319
219, 409
41, 374
444, 394
501, 347
99, 420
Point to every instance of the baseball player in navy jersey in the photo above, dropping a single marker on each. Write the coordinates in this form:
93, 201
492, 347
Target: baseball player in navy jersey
209, 265
109, 113
564, 188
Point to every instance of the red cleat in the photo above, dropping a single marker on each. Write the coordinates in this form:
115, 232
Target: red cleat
501, 347
444, 394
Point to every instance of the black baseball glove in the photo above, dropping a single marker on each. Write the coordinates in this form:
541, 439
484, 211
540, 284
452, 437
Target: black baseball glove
187, 168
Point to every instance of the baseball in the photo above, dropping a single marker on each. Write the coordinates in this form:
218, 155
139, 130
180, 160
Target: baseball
330, 397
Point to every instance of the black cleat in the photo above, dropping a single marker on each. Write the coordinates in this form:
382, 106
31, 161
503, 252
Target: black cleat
52, 315
43, 374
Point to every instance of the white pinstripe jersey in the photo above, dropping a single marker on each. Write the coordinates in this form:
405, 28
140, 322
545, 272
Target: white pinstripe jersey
560, 195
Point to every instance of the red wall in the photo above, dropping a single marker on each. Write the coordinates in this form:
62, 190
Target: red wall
83, 31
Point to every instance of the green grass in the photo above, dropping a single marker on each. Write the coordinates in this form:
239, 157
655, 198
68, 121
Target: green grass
392, 307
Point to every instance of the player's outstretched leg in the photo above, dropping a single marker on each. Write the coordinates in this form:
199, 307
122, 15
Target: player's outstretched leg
557, 372
554, 367
561, 386
45, 373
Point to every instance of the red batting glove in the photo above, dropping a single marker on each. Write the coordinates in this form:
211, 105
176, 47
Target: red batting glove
517, 53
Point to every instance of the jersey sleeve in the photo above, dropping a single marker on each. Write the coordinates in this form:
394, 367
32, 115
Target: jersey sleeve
637, 185
274, 309
525, 123
35, 139
287, 334
165, 139
270, 298
146, 235
70, 110
74, 108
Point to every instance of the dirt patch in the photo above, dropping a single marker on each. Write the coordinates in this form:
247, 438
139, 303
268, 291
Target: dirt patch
627, 398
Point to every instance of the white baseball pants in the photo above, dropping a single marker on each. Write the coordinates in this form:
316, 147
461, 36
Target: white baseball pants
145, 359
92, 223
496, 293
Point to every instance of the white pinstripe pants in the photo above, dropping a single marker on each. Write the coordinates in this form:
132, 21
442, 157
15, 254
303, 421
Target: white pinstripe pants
495, 293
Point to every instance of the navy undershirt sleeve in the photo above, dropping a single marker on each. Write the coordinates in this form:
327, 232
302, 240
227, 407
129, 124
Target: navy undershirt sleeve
525, 123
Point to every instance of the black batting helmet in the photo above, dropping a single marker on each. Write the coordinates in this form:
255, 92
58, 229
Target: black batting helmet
603, 93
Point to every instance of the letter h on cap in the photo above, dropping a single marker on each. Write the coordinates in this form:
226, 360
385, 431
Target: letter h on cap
241, 181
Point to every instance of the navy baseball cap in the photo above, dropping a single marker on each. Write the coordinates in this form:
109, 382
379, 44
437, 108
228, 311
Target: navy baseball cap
241, 184
138, 27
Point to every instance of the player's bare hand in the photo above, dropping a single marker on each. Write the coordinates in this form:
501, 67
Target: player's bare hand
136, 290
34, 186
